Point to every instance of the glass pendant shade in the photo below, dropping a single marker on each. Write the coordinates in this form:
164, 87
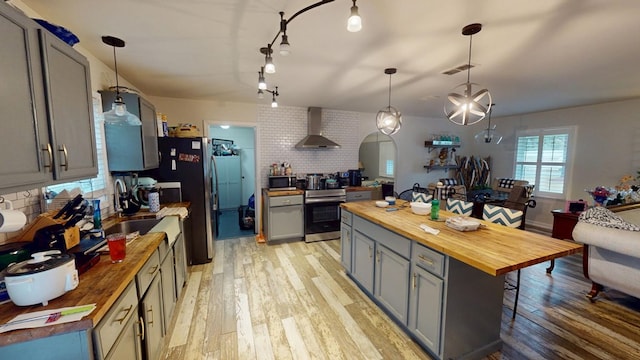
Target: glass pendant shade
389, 120
260, 94
118, 115
269, 67
488, 136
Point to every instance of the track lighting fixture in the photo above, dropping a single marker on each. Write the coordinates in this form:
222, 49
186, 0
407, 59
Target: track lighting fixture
262, 84
354, 23
269, 67
284, 44
274, 94
466, 108
260, 94
389, 119
118, 115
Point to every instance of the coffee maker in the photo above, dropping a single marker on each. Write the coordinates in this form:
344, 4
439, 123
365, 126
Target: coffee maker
343, 178
355, 178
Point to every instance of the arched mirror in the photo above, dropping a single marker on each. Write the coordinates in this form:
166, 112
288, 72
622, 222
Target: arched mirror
377, 157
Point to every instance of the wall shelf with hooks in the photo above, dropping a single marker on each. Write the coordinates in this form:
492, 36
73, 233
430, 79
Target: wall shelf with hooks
439, 145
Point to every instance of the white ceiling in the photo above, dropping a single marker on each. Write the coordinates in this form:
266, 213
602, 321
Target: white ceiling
532, 55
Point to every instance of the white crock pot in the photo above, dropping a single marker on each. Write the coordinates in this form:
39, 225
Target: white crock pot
46, 276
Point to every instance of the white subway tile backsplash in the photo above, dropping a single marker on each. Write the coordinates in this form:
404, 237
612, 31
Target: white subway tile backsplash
281, 128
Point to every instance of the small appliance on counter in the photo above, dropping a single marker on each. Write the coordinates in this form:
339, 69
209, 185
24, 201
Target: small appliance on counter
170, 192
343, 178
46, 276
282, 182
355, 178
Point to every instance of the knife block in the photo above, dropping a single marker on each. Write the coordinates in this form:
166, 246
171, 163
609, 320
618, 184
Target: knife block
71, 235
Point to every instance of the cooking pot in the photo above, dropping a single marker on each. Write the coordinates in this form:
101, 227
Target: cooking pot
332, 184
46, 276
313, 181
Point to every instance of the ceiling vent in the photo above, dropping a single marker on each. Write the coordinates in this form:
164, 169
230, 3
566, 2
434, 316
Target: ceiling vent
458, 69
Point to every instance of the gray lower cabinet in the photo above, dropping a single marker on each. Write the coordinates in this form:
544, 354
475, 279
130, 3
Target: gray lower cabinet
45, 101
134, 148
425, 301
358, 195
180, 258
167, 274
392, 282
129, 345
345, 239
363, 260
153, 319
284, 217
120, 331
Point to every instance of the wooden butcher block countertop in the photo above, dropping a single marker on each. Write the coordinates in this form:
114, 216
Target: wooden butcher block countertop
496, 249
272, 193
102, 284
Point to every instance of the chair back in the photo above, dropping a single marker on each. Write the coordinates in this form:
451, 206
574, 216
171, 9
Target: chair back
504, 216
460, 207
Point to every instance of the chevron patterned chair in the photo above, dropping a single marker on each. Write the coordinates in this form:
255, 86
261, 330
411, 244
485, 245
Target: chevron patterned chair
460, 207
511, 218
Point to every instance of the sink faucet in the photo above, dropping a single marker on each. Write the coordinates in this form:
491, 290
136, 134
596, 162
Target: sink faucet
119, 190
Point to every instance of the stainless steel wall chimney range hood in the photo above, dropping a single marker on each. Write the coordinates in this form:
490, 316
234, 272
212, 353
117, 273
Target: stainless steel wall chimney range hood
314, 138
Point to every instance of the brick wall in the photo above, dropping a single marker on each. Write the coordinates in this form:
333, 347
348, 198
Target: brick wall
26, 201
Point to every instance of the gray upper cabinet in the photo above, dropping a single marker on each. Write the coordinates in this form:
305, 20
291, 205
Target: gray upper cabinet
22, 105
70, 110
137, 149
45, 107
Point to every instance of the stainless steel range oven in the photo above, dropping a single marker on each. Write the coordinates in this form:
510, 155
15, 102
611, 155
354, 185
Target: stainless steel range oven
322, 214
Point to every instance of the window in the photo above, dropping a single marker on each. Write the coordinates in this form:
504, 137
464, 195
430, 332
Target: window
386, 166
542, 158
89, 186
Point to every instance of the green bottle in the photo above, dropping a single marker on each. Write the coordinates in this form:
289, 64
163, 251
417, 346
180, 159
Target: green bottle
435, 208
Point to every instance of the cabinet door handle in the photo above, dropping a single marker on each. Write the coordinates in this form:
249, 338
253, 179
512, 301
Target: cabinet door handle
426, 259
415, 275
141, 322
378, 255
153, 270
63, 148
47, 148
151, 317
370, 252
126, 313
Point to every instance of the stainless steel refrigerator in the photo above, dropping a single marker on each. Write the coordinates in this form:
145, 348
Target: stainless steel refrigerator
188, 160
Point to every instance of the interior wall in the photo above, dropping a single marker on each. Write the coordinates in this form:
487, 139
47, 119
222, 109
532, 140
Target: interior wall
243, 138
606, 148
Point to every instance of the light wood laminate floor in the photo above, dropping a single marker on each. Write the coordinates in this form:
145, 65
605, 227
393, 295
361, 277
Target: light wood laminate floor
294, 301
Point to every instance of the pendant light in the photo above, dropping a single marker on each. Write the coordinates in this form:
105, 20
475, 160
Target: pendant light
489, 135
464, 107
389, 119
118, 115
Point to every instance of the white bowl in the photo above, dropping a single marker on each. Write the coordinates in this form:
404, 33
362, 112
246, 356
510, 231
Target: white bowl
381, 203
420, 208
390, 199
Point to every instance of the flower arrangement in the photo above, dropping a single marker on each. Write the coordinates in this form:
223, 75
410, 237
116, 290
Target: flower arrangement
600, 195
626, 191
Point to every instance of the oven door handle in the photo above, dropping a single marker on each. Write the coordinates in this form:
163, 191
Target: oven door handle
325, 200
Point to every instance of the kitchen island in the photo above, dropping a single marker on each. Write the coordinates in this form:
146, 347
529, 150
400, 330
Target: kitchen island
444, 290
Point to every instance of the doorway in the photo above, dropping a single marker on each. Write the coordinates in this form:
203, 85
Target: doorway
234, 152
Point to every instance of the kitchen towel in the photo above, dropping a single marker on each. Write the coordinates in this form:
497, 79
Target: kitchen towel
40, 318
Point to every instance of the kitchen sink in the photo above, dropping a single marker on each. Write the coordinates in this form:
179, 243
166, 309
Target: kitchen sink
129, 226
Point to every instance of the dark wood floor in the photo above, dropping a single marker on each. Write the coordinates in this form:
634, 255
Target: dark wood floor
293, 301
